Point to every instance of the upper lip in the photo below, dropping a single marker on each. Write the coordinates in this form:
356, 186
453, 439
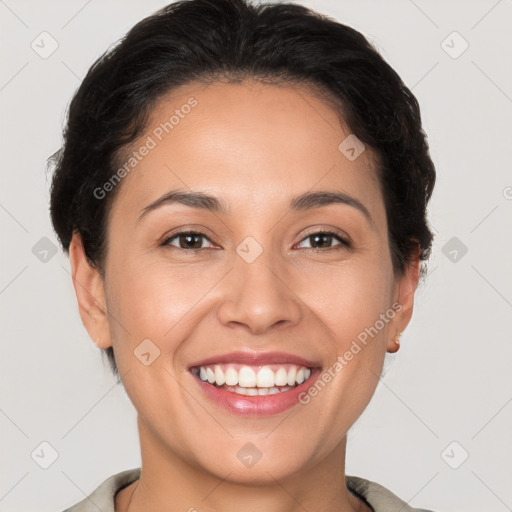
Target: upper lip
255, 359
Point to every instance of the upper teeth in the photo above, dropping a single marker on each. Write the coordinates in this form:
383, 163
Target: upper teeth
250, 377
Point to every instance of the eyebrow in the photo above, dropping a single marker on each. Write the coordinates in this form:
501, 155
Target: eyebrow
302, 202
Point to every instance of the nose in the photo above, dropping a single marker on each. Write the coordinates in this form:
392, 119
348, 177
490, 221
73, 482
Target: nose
259, 297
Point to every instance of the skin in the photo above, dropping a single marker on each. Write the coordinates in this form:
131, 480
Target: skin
255, 146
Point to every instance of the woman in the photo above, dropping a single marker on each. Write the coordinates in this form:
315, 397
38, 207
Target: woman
242, 191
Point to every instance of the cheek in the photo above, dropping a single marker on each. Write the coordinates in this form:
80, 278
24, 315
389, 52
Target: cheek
156, 301
349, 297
354, 302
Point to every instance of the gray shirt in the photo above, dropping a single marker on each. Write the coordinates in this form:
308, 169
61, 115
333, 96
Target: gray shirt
375, 495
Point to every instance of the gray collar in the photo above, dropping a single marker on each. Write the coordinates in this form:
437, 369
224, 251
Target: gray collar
378, 497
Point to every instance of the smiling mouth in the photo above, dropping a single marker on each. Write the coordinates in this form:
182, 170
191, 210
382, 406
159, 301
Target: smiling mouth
253, 380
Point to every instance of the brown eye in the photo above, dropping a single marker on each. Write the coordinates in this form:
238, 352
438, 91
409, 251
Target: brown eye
324, 240
187, 240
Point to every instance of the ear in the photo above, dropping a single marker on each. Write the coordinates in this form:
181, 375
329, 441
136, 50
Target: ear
405, 288
90, 293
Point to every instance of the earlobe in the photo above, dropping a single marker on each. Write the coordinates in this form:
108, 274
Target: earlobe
90, 294
394, 345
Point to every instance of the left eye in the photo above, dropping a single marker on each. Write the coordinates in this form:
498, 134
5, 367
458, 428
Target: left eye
322, 240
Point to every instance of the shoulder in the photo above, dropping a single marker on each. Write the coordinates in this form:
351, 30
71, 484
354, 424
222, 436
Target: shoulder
102, 497
378, 497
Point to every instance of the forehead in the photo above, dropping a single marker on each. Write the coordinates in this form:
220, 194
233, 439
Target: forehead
250, 143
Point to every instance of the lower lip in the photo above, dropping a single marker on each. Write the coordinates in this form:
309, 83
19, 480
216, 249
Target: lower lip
260, 405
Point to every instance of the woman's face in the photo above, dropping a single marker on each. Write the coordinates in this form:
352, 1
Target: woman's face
256, 280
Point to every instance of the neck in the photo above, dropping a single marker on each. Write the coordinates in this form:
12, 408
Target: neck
168, 482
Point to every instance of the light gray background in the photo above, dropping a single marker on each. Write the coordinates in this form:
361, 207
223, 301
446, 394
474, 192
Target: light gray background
450, 381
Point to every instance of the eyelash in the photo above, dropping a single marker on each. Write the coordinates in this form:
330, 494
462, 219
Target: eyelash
343, 242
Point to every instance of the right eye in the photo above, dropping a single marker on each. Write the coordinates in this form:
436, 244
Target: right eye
186, 240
